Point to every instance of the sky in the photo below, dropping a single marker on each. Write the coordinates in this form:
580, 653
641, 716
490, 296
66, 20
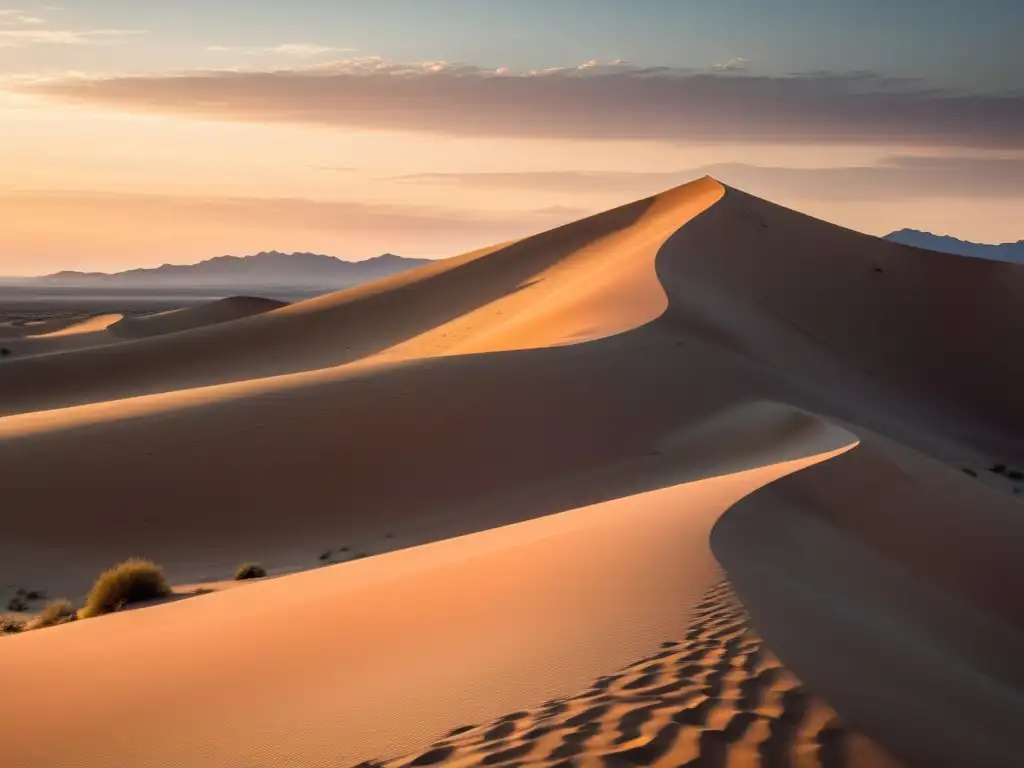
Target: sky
133, 135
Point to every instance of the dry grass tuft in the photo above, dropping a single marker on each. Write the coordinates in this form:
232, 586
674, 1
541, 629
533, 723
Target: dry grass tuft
250, 571
132, 581
10, 625
57, 612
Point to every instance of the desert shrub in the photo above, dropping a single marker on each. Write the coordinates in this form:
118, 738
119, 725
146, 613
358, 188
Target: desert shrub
997, 468
132, 581
250, 571
969, 471
1015, 474
56, 612
17, 603
326, 555
4, 351
10, 625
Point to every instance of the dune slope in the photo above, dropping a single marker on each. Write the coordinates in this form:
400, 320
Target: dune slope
177, 320
639, 371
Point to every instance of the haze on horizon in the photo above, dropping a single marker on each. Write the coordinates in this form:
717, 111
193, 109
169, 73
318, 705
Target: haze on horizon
131, 135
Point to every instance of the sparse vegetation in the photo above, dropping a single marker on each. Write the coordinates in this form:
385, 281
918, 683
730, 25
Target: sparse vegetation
132, 581
56, 612
969, 471
326, 555
10, 625
250, 571
1002, 469
17, 603
4, 351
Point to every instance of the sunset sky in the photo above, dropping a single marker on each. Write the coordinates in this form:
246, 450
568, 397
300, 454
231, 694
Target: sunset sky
132, 135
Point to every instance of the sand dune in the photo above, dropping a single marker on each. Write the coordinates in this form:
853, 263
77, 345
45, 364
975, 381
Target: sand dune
73, 333
548, 431
61, 335
177, 320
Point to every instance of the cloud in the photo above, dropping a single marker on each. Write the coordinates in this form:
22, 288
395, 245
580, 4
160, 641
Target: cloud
298, 50
893, 178
292, 213
9, 16
18, 38
567, 212
591, 101
733, 65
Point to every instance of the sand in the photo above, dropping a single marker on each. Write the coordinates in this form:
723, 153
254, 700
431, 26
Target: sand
187, 318
551, 448
79, 331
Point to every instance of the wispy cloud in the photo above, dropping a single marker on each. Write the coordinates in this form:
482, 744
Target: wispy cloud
898, 177
733, 65
300, 213
591, 101
17, 38
15, 16
297, 50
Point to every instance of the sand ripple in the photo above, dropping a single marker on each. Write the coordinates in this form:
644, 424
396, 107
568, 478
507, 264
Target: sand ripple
715, 698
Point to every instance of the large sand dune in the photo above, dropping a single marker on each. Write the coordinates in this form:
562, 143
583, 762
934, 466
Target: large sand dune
548, 431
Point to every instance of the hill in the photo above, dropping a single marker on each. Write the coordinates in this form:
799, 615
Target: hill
1012, 252
260, 270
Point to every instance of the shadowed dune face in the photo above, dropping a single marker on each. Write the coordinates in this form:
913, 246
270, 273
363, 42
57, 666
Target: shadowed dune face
178, 320
938, 327
886, 562
639, 371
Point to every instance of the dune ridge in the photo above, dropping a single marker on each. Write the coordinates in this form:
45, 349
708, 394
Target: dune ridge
545, 428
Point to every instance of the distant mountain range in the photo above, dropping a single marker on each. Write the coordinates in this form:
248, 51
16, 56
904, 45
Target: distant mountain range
261, 270
1013, 252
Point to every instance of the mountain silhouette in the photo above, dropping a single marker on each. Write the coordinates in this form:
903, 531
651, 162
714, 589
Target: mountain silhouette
267, 268
1013, 252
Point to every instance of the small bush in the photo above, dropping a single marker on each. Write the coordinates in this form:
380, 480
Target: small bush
997, 468
132, 581
4, 351
325, 555
1015, 474
250, 571
57, 612
10, 625
17, 603
969, 471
